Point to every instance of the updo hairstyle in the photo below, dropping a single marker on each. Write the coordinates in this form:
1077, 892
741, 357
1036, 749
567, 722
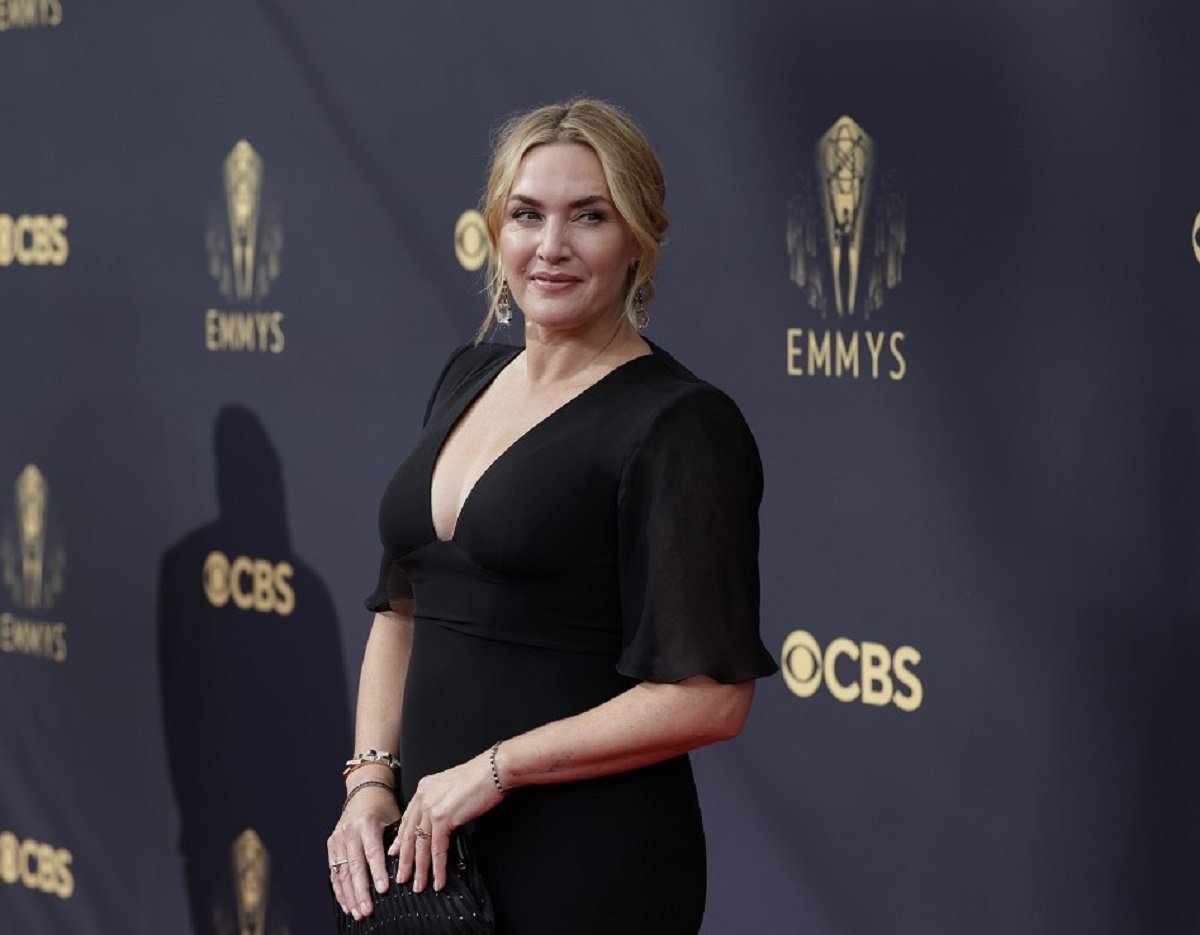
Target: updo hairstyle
630, 167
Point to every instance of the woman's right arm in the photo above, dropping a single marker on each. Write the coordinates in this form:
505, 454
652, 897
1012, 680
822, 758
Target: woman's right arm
358, 838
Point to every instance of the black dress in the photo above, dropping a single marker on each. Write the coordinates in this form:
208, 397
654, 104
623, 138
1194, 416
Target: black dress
615, 542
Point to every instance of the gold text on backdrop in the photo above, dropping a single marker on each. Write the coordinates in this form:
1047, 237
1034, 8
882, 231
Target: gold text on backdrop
251, 583
243, 331
837, 353
27, 14
35, 865
33, 240
41, 638
881, 677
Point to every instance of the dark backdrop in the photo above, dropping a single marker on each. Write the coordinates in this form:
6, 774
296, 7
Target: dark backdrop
228, 276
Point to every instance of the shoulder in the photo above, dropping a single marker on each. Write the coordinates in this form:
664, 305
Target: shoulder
465, 365
471, 360
681, 396
688, 414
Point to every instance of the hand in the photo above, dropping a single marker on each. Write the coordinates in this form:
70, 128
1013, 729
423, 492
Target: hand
443, 801
355, 849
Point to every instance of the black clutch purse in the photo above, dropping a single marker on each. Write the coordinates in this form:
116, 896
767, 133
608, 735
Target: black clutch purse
461, 907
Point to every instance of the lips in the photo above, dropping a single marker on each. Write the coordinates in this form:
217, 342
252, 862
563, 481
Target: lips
553, 282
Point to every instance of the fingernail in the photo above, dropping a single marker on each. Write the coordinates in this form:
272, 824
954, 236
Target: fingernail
365, 908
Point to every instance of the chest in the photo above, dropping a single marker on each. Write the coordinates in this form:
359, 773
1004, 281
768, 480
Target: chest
534, 495
491, 424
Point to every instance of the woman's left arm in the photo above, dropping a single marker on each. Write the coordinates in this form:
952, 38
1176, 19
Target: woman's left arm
645, 724
650, 722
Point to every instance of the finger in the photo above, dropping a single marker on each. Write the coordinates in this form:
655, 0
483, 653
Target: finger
354, 875
372, 843
421, 862
343, 885
335, 880
335, 850
439, 851
345, 893
359, 884
407, 853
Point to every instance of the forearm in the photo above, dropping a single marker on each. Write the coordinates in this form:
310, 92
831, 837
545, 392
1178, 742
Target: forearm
643, 725
381, 688
646, 724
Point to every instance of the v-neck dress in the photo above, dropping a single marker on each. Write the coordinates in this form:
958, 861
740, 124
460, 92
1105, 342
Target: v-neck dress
615, 542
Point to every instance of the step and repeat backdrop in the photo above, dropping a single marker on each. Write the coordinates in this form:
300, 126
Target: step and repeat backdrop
945, 256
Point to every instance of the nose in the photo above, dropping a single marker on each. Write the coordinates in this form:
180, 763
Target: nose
554, 245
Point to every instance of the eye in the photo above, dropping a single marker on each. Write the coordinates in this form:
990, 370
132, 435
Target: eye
590, 216
524, 214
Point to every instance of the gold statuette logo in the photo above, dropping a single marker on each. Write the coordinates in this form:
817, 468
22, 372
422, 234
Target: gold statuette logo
245, 256
846, 238
26, 14
34, 563
251, 882
31, 513
33, 569
864, 236
1196, 237
245, 247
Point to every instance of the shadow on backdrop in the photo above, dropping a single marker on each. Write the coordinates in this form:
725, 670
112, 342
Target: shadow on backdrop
254, 702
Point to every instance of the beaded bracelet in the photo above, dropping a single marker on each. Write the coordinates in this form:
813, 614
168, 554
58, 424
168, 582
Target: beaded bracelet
363, 785
382, 757
496, 772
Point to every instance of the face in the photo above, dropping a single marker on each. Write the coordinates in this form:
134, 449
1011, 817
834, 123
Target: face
565, 250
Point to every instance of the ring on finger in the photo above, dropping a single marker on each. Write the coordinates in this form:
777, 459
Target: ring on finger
420, 832
337, 865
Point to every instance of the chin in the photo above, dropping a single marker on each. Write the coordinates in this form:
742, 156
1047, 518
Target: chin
556, 317
566, 315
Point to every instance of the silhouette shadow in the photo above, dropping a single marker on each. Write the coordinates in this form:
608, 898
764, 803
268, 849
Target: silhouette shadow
254, 702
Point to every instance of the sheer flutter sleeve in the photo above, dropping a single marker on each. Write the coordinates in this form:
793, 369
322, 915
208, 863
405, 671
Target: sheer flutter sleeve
688, 546
392, 586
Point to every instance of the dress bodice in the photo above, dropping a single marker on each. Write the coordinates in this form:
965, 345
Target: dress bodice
576, 535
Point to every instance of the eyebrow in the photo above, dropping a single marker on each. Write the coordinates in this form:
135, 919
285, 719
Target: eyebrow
577, 203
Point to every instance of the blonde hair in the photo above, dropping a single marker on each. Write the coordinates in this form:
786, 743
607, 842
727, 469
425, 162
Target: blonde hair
630, 167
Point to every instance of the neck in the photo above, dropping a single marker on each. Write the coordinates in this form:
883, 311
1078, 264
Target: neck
557, 356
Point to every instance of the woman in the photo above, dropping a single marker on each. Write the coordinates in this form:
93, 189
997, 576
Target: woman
569, 594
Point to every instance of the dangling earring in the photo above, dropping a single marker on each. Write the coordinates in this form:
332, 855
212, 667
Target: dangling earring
503, 305
641, 315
